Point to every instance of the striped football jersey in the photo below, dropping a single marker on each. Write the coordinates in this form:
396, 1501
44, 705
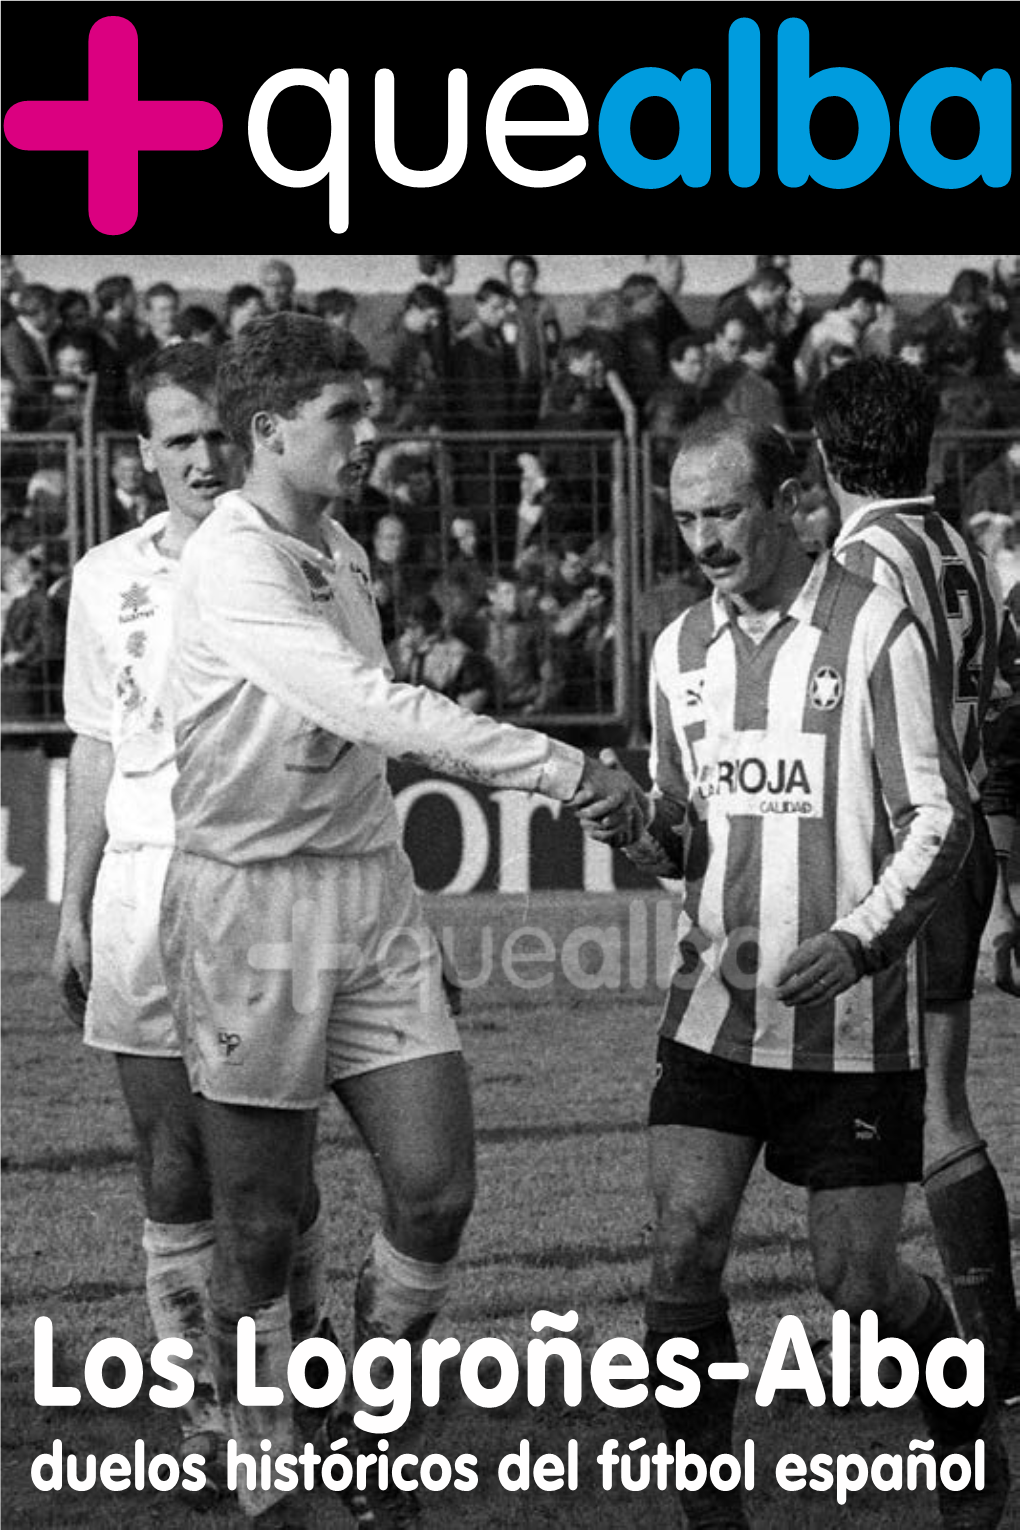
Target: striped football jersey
907, 547
285, 706
115, 676
818, 787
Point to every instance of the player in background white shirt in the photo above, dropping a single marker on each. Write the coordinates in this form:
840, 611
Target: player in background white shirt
120, 834
296, 955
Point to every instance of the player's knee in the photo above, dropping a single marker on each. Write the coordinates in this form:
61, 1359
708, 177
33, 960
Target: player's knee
176, 1182
854, 1284
435, 1213
257, 1241
691, 1246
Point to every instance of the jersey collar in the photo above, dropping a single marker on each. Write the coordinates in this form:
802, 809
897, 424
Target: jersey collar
875, 509
813, 603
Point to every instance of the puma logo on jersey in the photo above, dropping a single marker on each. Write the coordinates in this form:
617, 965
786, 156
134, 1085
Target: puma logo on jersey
319, 586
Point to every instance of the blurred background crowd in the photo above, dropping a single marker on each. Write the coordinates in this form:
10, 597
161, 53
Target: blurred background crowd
516, 508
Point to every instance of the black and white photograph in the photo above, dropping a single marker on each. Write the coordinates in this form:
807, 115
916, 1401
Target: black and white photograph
459, 713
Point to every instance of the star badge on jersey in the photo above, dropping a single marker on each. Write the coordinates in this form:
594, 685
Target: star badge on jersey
826, 691
134, 600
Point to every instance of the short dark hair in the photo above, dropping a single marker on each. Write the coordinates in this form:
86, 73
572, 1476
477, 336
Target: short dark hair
691, 341
858, 263
241, 293
521, 260
69, 299
859, 289
424, 610
189, 365
428, 265
196, 320
112, 290
875, 419
772, 457
425, 296
161, 289
770, 276
335, 300
278, 363
38, 298
491, 288
969, 286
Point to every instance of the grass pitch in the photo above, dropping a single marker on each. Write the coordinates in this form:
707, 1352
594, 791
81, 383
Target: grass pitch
561, 1073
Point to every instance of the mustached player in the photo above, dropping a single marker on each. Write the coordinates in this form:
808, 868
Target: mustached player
807, 788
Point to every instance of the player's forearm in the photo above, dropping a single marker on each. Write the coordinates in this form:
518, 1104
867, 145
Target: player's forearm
89, 770
337, 689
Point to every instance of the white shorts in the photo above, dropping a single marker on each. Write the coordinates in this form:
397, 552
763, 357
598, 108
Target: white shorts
128, 1009
287, 976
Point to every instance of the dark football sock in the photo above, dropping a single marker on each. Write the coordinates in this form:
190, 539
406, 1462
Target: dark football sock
950, 1427
971, 1222
706, 1425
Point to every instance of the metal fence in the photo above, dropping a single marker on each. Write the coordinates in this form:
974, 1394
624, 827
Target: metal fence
551, 555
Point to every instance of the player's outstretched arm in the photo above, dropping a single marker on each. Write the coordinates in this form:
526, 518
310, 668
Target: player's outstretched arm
88, 778
611, 807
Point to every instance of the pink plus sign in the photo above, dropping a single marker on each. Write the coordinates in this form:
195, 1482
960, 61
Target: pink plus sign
112, 125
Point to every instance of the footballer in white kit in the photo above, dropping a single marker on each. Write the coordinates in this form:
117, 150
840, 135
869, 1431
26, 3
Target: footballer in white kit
120, 835
296, 954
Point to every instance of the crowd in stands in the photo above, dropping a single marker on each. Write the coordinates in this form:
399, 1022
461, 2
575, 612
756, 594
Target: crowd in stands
491, 507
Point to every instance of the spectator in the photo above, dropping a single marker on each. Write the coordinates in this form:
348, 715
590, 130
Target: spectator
678, 401
1004, 389
131, 501
381, 406
482, 399
24, 346
200, 324
998, 537
73, 357
961, 330
995, 491
419, 370
762, 296
517, 649
118, 349
11, 284
911, 347
32, 653
74, 311
244, 303
393, 578
847, 324
438, 273
536, 337
162, 311
743, 388
338, 307
463, 562
878, 341
410, 486
424, 654
651, 322
277, 282
583, 639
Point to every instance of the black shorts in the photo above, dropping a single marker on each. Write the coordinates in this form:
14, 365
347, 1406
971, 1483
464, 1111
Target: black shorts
827, 1131
951, 940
